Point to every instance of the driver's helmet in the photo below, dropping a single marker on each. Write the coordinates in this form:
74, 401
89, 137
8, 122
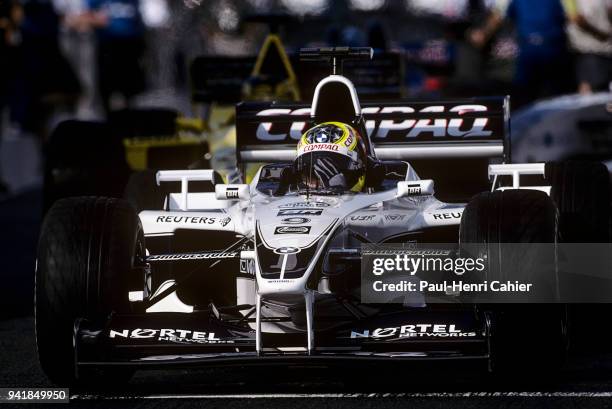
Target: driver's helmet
331, 157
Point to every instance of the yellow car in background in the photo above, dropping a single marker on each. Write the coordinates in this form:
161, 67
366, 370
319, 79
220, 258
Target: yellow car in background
112, 157
269, 76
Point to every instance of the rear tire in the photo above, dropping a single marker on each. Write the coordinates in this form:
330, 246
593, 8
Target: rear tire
523, 336
581, 192
87, 249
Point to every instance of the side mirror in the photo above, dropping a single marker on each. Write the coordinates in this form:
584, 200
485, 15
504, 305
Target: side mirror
232, 192
415, 188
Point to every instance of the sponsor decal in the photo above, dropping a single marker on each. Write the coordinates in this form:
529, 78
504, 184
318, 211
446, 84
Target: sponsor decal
231, 193
299, 212
192, 256
321, 138
292, 230
326, 147
225, 222
363, 218
348, 141
247, 267
186, 219
171, 335
330, 147
295, 220
324, 134
287, 250
442, 217
414, 189
415, 331
304, 204
394, 217
447, 216
458, 127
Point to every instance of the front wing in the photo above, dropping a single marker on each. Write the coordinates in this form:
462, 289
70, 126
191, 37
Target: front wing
204, 339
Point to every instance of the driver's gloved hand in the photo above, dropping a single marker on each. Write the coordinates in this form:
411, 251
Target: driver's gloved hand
328, 174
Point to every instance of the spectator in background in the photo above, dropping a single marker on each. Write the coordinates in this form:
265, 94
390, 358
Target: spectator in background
120, 34
44, 81
10, 18
470, 61
543, 66
78, 45
590, 34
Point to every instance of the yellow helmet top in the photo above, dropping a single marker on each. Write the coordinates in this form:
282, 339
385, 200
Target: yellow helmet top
324, 136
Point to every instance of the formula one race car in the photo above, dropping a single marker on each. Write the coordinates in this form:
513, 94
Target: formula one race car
269, 271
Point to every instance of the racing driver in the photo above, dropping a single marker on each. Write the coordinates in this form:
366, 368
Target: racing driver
331, 159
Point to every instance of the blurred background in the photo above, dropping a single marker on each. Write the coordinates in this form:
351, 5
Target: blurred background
93, 90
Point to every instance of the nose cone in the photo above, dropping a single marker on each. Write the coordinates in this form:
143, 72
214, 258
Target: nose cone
290, 235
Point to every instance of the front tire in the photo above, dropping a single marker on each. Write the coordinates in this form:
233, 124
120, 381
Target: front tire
510, 227
87, 249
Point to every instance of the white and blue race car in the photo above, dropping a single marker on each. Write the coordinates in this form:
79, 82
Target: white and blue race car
263, 272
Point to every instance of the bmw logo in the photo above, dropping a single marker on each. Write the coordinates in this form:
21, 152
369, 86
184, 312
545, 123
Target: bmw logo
295, 220
287, 250
321, 137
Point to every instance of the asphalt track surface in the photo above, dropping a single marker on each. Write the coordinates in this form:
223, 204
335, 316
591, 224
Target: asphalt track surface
585, 382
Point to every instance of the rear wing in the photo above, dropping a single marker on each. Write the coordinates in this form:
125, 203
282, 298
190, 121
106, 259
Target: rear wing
403, 130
